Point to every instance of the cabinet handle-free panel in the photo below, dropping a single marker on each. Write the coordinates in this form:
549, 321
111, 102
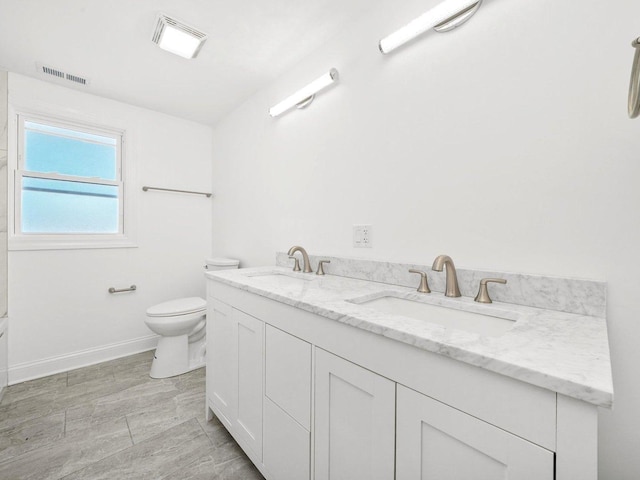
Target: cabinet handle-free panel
221, 366
354, 421
286, 445
438, 442
249, 343
288, 374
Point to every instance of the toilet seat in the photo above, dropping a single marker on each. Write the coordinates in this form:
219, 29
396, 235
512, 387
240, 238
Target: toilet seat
180, 306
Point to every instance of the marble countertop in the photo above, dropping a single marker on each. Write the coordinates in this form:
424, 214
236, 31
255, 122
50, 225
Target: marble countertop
563, 352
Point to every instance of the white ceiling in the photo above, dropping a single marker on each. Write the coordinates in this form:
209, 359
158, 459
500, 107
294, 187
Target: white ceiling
251, 42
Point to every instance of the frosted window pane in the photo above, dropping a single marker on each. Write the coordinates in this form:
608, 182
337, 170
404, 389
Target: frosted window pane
55, 206
67, 152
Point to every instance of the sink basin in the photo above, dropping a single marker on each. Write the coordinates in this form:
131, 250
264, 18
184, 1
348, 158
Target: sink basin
282, 278
494, 322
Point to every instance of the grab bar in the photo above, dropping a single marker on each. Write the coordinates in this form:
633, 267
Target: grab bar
634, 86
146, 188
132, 288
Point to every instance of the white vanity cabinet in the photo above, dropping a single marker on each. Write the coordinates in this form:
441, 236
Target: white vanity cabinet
235, 343
287, 406
3, 356
354, 421
310, 398
435, 441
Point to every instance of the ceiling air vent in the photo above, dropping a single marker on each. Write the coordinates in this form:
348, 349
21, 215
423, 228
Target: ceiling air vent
57, 73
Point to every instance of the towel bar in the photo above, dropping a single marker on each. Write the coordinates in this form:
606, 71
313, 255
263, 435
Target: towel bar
132, 288
146, 188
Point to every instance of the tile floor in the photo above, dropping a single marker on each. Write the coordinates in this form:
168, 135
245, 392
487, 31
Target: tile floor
111, 421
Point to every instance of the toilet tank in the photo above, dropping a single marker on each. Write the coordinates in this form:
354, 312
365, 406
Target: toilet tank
219, 263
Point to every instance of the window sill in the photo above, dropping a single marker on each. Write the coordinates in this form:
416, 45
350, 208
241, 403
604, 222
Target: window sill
78, 242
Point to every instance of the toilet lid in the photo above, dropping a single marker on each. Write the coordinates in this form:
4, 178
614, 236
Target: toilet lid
180, 306
223, 262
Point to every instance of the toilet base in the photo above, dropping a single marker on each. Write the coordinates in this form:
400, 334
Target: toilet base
175, 356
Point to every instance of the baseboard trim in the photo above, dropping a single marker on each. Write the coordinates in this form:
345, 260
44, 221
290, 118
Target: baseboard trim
83, 358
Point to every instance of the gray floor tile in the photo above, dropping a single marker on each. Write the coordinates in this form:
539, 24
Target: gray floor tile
82, 425
160, 415
225, 447
153, 458
206, 468
240, 468
88, 374
202, 469
30, 435
194, 379
134, 366
73, 452
121, 402
21, 391
27, 409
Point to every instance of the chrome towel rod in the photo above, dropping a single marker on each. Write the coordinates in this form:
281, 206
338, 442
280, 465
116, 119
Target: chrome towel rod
146, 188
132, 288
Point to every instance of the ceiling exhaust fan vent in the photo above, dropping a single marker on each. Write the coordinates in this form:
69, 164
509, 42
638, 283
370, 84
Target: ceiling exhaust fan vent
57, 73
164, 20
177, 37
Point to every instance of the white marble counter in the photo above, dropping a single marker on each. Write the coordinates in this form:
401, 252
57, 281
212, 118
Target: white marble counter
563, 352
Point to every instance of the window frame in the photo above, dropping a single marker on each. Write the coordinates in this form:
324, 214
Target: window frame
19, 240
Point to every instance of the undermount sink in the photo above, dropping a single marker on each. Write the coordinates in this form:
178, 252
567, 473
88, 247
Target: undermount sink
283, 278
493, 323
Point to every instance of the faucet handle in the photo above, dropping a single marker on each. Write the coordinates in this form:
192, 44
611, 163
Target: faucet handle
483, 292
296, 265
424, 286
320, 270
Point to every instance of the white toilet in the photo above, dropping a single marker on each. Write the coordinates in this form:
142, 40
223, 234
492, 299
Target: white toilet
181, 324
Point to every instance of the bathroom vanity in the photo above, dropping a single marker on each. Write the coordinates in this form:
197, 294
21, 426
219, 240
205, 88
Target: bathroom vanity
3, 355
321, 377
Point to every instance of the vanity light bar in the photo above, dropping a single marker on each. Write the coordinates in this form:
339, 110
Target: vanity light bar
443, 17
305, 96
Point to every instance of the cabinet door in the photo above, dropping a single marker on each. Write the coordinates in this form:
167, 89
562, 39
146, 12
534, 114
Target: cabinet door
221, 363
3, 356
287, 406
438, 442
235, 371
354, 421
286, 445
249, 341
288, 374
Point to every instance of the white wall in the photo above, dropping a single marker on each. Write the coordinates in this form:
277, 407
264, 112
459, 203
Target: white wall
61, 315
4, 81
504, 144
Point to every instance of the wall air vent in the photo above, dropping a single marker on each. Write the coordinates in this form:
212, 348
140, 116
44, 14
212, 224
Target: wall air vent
77, 79
52, 71
57, 73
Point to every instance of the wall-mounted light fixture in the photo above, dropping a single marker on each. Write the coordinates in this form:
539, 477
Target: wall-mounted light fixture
305, 96
177, 37
443, 17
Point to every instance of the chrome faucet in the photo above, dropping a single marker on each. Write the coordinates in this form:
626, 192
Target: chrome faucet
451, 289
305, 258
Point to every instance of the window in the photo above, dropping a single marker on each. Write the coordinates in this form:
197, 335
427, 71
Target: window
69, 188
